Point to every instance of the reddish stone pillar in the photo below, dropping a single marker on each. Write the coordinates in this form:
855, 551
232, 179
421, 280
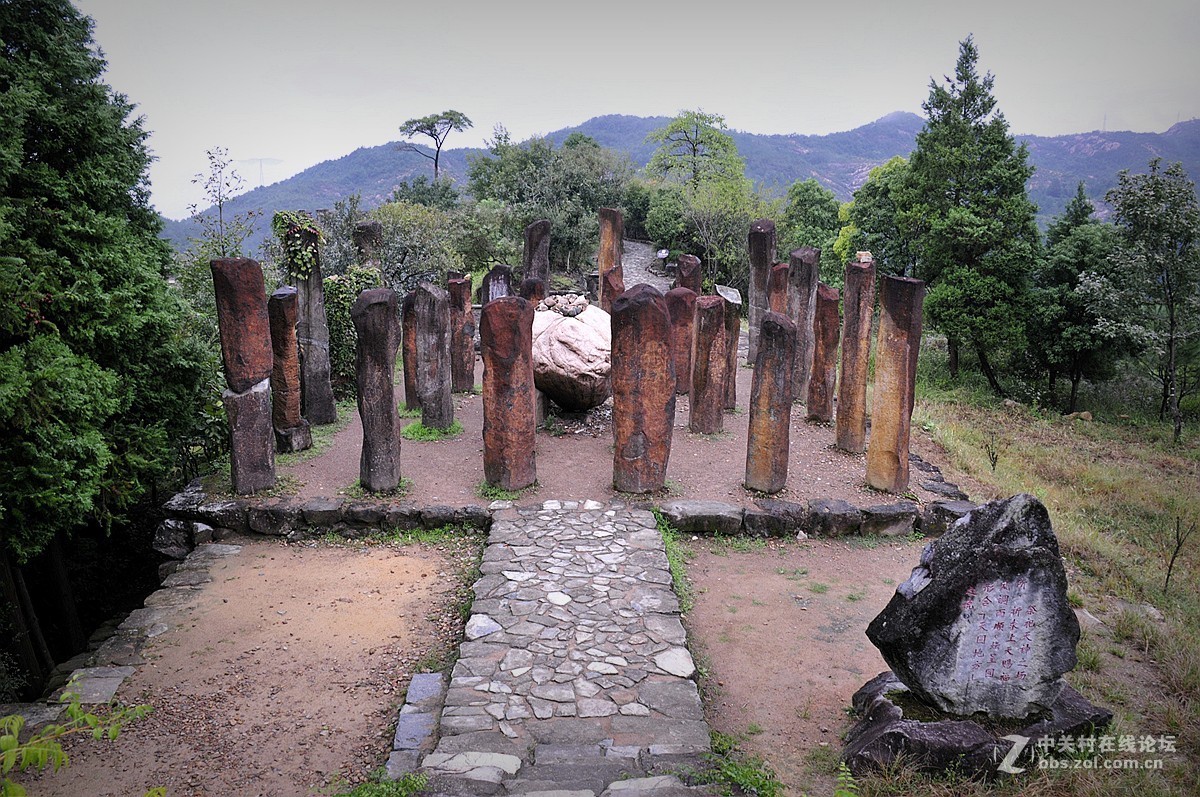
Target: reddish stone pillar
495, 284
858, 303
292, 432
612, 249
245, 335
374, 317
901, 302
643, 388
733, 329
432, 306
535, 259
408, 309
708, 367
312, 329
681, 306
688, 274
804, 274
462, 336
762, 257
826, 330
771, 405
777, 288
509, 411
532, 290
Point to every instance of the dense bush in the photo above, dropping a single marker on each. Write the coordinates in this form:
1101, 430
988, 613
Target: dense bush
341, 290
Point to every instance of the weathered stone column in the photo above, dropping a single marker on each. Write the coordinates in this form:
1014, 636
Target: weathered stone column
462, 336
707, 414
826, 331
433, 356
681, 306
612, 250
535, 260
688, 274
374, 317
733, 329
771, 405
408, 311
245, 334
495, 284
509, 412
312, 330
368, 240
901, 302
643, 387
804, 274
292, 432
532, 290
858, 303
762, 257
777, 288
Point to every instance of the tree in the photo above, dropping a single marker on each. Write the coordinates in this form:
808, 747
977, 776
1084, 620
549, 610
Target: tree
876, 215
418, 245
693, 147
811, 217
435, 127
964, 205
437, 194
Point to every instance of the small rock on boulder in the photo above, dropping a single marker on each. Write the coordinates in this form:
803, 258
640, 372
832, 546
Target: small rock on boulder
571, 357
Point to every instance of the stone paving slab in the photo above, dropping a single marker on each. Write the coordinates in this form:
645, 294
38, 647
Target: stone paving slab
575, 674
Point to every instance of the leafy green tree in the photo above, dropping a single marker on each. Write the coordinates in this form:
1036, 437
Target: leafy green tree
964, 205
719, 214
693, 148
436, 127
418, 244
337, 249
439, 194
875, 214
811, 217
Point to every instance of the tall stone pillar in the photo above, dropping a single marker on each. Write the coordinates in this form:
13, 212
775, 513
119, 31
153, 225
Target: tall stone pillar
245, 335
532, 290
292, 432
462, 336
777, 288
771, 405
826, 331
688, 274
432, 306
762, 257
804, 274
733, 329
312, 330
496, 284
643, 388
612, 250
707, 414
681, 306
408, 310
858, 302
901, 302
368, 240
535, 260
509, 405
374, 316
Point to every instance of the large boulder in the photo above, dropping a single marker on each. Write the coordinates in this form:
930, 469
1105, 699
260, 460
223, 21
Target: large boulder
571, 357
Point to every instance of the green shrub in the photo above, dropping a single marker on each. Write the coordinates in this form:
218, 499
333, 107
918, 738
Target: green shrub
341, 290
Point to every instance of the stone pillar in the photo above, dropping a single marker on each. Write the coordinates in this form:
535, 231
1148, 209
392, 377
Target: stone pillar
462, 336
804, 274
292, 432
733, 330
612, 250
858, 303
771, 405
408, 311
433, 356
244, 328
535, 260
901, 302
707, 414
777, 289
495, 284
681, 307
312, 331
532, 290
509, 404
762, 257
826, 331
688, 274
374, 316
643, 388
368, 240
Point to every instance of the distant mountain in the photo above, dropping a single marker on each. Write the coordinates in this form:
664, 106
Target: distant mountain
839, 161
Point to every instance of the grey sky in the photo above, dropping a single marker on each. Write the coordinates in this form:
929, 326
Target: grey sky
303, 81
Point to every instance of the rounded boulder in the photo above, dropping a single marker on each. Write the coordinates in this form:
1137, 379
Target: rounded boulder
571, 357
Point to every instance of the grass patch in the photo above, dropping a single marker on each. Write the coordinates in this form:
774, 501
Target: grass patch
410, 785
427, 434
405, 412
493, 493
220, 484
818, 588
357, 490
735, 772
677, 557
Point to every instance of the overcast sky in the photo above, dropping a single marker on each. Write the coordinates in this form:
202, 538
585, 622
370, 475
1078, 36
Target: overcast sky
286, 84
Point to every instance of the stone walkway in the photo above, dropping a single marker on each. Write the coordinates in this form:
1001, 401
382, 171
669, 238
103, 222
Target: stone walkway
575, 678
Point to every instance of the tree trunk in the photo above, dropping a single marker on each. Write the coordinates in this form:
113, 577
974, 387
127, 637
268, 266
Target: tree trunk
986, 367
952, 349
66, 597
1052, 384
1172, 389
1076, 376
32, 626
22, 637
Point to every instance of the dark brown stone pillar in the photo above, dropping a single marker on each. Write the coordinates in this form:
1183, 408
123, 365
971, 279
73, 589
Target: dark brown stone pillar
771, 405
707, 414
826, 331
509, 405
312, 331
612, 250
762, 257
532, 290
777, 289
495, 284
804, 274
462, 336
733, 330
901, 302
688, 274
433, 356
408, 310
535, 260
251, 442
374, 317
292, 432
858, 303
681, 306
368, 240
643, 387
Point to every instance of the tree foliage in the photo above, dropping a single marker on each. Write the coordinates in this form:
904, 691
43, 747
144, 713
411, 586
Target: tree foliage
436, 127
875, 213
694, 148
418, 244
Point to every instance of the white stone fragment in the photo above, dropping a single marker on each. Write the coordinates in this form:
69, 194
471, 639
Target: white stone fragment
676, 661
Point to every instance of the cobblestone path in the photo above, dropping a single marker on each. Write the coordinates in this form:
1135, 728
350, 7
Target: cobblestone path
575, 678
